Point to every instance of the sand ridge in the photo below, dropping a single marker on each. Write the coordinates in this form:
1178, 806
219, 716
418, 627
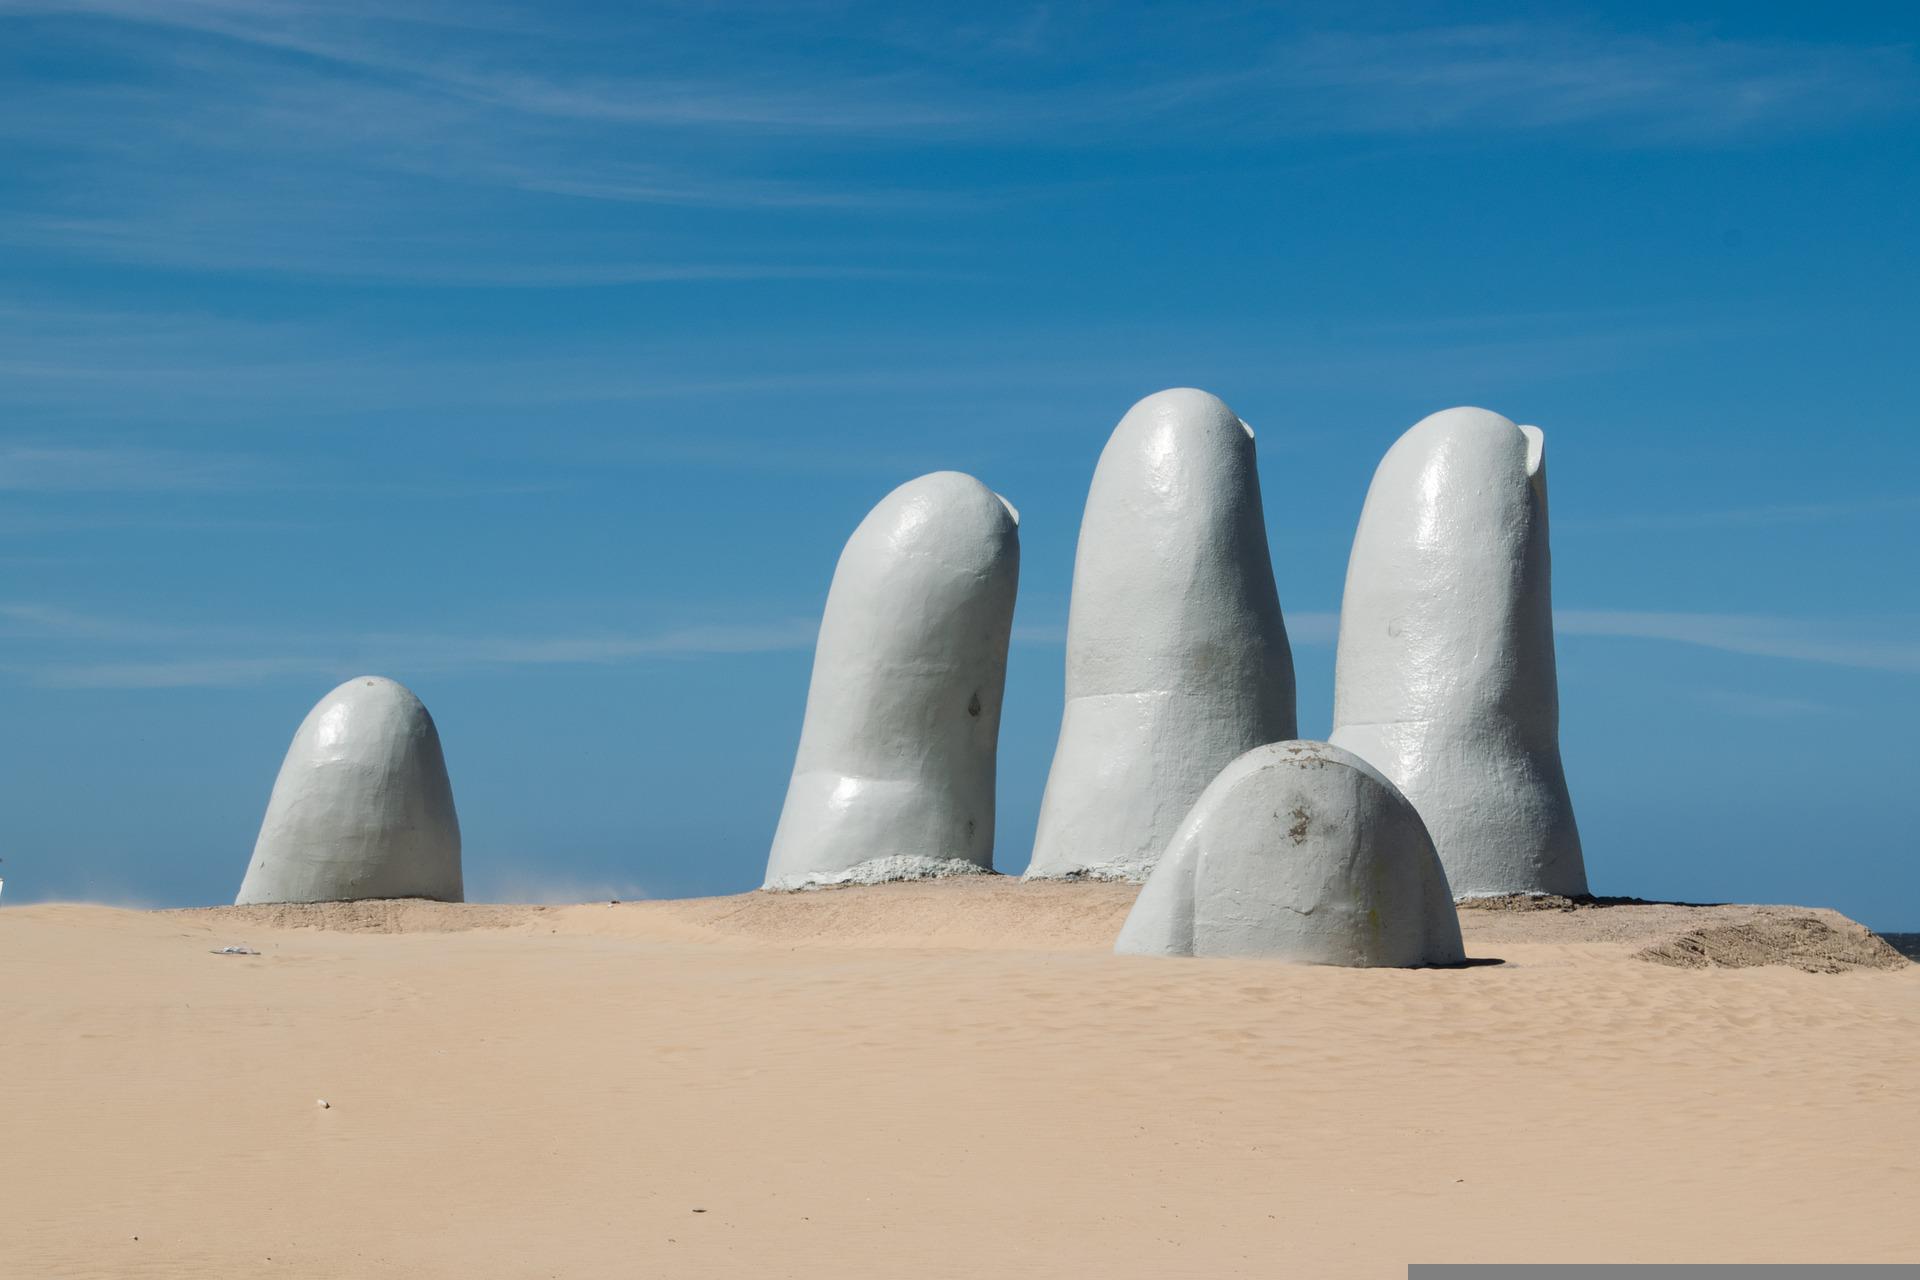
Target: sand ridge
968, 913
990, 912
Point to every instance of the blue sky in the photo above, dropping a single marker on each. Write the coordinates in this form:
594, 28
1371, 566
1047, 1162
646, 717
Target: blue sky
543, 356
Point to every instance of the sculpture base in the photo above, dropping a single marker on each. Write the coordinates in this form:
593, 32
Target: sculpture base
879, 871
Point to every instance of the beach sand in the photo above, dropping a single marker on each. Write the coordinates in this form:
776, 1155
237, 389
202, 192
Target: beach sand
946, 1079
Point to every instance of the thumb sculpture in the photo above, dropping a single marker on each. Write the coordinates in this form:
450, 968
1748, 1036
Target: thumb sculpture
1177, 656
894, 777
362, 807
1299, 851
1445, 673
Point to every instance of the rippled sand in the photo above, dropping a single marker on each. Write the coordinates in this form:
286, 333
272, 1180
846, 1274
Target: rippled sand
950, 1079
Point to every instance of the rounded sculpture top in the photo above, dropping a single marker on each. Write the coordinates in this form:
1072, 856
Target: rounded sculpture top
361, 706
1176, 426
908, 574
362, 807
946, 516
1467, 443
1296, 757
1299, 851
1173, 447
1173, 580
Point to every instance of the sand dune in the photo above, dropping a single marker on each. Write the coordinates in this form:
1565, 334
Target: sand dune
948, 1079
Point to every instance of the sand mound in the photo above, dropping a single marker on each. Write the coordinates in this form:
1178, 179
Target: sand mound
1804, 942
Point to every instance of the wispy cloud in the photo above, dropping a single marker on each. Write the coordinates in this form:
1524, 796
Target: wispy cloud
58, 471
210, 656
426, 143
1763, 706
1828, 642
767, 93
1781, 513
116, 366
1684, 81
33, 620
628, 185
216, 656
178, 673
1683, 85
26, 468
236, 241
1797, 639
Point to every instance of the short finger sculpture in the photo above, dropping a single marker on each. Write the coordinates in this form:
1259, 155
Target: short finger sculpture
1299, 851
1445, 678
894, 778
1177, 655
362, 807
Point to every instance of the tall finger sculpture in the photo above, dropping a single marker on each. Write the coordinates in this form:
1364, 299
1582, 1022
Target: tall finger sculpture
1177, 656
1445, 679
894, 778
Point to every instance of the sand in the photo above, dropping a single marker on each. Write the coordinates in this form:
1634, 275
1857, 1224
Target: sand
949, 1079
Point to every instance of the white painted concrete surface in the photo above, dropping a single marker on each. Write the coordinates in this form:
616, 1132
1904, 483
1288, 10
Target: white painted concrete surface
1445, 675
1302, 852
894, 777
1177, 656
362, 807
